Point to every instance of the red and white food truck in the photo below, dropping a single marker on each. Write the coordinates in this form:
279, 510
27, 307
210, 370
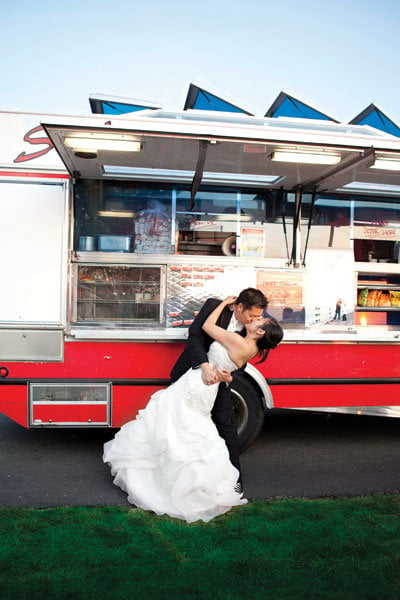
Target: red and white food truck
115, 229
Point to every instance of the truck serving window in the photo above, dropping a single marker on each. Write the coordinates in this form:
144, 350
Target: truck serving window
145, 218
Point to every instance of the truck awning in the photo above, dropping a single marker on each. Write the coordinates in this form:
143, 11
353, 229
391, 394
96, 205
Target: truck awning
213, 147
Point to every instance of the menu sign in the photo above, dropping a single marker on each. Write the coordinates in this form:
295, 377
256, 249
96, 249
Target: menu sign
375, 232
209, 225
281, 289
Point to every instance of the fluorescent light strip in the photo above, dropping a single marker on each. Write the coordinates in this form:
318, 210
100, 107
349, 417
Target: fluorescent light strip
187, 176
364, 186
210, 177
116, 213
386, 164
94, 143
312, 158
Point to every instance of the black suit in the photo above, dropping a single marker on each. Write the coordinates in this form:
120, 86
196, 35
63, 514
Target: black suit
194, 355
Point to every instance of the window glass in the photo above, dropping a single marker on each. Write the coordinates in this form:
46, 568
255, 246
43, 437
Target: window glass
207, 201
115, 216
280, 210
214, 226
330, 222
254, 206
376, 230
122, 217
213, 220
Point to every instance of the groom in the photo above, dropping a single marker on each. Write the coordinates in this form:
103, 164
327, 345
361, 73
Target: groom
249, 305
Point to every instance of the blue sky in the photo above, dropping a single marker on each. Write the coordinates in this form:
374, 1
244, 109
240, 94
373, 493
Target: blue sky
336, 55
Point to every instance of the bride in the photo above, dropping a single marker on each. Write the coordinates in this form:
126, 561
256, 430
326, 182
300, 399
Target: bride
170, 459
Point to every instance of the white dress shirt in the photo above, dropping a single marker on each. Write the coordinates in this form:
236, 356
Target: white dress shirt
234, 324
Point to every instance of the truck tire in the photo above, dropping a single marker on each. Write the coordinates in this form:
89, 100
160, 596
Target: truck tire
248, 411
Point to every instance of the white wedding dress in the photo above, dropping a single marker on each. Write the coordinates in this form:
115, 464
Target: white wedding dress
171, 459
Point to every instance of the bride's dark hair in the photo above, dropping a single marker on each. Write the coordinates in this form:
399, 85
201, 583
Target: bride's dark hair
272, 337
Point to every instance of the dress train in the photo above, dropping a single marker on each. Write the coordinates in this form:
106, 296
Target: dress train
171, 459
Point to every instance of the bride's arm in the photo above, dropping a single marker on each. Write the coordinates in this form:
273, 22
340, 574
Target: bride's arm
231, 340
210, 324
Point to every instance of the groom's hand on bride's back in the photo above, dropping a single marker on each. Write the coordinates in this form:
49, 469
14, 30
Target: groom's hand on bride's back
208, 374
223, 375
213, 375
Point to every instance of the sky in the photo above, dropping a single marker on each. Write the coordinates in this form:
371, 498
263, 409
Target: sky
336, 55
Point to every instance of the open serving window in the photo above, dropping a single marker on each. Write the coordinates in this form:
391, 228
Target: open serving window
156, 218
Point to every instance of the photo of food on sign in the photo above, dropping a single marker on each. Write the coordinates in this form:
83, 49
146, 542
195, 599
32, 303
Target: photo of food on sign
189, 285
253, 241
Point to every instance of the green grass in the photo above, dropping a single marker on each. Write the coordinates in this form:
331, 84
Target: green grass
335, 549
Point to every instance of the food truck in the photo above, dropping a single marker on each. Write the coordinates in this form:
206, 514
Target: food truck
115, 229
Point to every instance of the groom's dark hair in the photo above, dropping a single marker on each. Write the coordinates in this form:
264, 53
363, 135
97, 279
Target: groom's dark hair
251, 297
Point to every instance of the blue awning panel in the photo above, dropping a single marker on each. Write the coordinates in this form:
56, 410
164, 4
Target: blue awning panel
110, 105
111, 108
374, 117
288, 106
200, 99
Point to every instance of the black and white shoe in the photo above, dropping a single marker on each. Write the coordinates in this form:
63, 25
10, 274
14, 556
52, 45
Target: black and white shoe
238, 488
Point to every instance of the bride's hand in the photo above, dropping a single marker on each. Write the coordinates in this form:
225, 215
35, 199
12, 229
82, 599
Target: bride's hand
223, 375
208, 373
229, 300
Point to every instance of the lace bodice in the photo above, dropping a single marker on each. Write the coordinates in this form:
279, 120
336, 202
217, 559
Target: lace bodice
218, 355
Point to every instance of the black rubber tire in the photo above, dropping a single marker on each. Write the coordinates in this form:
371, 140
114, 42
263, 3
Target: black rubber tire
248, 411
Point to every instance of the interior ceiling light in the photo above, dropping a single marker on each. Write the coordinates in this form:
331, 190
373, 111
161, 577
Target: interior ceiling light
119, 144
187, 176
386, 163
305, 157
365, 186
123, 214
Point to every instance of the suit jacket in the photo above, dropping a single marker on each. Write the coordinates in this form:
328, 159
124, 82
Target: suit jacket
199, 341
